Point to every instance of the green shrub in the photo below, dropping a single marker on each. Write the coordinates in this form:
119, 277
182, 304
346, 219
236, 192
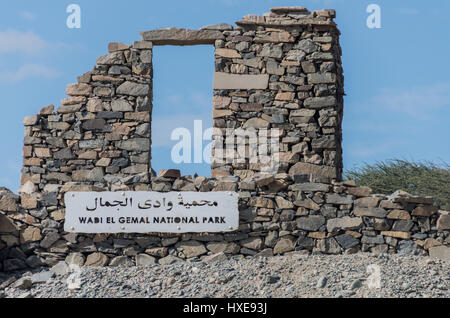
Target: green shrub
417, 178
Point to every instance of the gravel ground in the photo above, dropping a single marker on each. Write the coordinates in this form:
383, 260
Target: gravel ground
291, 276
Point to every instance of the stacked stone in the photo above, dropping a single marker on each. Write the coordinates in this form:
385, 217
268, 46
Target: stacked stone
100, 136
294, 83
282, 70
309, 217
97, 140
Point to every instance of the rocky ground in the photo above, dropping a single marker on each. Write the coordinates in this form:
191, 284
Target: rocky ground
294, 275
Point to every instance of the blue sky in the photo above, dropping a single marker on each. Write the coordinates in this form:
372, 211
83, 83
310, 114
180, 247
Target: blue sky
396, 78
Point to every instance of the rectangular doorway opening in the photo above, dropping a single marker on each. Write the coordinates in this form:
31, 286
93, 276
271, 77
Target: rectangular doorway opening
182, 109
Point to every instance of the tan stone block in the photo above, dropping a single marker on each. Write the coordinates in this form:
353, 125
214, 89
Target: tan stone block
116, 46
219, 113
95, 105
283, 246
122, 129
111, 154
31, 120
143, 45
285, 10
8, 205
215, 173
71, 187
266, 212
27, 151
237, 81
71, 143
399, 215
7, 225
157, 251
443, 223
261, 202
58, 215
30, 234
43, 152
47, 110
317, 235
440, 252
354, 234
36, 178
113, 136
308, 204
251, 107
228, 53
98, 238
287, 157
171, 173
275, 37
282, 203
286, 63
225, 186
326, 47
367, 202
79, 89
96, 260
430, 242
28, 201
220, 102
285, 96
74, 100
359, 191
103, 162
400, 235
253, 243
58, 125
104, 78
36, 162
138, 116
425, 210
302, 168
387, 204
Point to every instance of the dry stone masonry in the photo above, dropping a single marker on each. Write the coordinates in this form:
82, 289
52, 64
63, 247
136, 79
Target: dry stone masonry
279, 71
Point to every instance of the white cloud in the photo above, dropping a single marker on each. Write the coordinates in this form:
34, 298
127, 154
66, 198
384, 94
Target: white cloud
162, 126
13, 41
28, 71
408, 11
231, 3
361, 150
27, 15
186, 101
420, 103
417, 102
326, 2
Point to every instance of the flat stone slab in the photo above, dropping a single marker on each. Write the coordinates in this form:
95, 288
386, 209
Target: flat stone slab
281, 10
42, 278
237, 81
440, 252
175, 36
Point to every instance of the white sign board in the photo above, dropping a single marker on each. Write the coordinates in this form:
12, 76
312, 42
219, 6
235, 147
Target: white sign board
151, 212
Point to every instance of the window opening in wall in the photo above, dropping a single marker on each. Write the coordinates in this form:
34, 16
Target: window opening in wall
182, 109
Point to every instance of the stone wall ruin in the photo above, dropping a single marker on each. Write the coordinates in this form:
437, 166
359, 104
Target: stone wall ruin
282, 70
